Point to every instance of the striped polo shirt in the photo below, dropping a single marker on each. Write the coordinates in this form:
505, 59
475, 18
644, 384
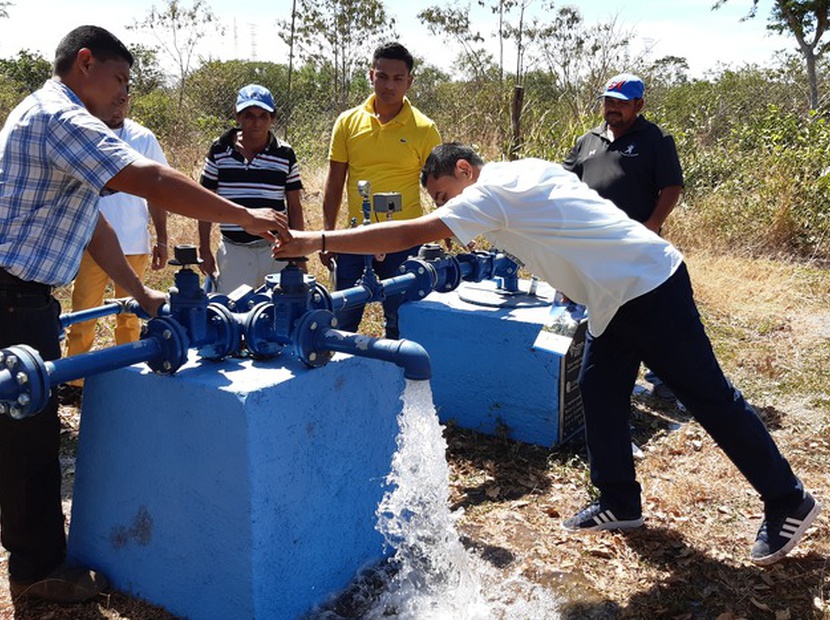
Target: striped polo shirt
257, 184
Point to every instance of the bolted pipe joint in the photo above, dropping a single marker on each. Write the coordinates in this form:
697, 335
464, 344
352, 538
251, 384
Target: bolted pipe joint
24, 382
224, 333
422, 279
172, 345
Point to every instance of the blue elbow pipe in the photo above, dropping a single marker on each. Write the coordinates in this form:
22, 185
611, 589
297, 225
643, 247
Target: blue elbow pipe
406, 354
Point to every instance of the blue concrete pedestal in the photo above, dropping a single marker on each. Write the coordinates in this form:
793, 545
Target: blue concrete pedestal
496, 369
239, 489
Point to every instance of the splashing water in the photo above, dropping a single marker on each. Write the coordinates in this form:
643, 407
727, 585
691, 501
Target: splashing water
431, 576
434, 578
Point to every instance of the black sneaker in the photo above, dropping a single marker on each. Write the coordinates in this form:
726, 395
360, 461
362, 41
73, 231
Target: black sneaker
781, 532
594, 518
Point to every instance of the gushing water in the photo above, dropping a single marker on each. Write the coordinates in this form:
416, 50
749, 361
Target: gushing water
431, 576
434, 578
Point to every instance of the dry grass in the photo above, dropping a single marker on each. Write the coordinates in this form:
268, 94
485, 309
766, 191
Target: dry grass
770, 323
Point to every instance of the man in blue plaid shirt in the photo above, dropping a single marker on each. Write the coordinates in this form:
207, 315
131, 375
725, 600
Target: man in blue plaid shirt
56, 159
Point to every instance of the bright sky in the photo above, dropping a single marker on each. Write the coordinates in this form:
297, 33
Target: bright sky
686, 28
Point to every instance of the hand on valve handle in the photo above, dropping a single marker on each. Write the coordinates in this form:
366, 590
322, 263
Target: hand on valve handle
295, 243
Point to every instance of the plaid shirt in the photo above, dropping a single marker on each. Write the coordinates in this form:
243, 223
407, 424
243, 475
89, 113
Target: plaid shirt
55, 159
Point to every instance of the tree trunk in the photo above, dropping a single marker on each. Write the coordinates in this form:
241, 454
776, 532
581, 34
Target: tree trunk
810, 57
515, 118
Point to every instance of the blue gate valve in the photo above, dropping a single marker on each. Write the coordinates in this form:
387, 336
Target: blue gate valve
270, 326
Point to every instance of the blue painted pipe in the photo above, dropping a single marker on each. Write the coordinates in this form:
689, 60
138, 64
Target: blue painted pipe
96, 362
22, 398
26, 379
362, 294
70, 318
409, 355
129, 306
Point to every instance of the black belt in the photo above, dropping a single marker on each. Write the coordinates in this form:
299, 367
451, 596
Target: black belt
8, 281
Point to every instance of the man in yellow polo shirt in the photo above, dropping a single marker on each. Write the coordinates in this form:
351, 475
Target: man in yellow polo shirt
385, 141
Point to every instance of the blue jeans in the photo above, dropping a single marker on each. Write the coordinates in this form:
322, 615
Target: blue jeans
663, 329
349, 270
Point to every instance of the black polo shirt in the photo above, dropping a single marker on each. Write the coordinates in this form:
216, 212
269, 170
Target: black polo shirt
631, 170
257, 184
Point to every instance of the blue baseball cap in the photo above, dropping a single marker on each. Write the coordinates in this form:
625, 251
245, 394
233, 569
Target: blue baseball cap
624, 86
254, 94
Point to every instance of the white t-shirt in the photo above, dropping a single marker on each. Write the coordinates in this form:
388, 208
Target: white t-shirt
564, 232
128, 214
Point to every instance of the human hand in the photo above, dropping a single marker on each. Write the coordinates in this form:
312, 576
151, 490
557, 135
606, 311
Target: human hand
208, 264
298, 243
327, 258
159, 259
269, 224
151, 300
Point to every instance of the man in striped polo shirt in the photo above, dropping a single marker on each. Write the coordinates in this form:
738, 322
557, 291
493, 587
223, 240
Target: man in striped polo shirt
249, 165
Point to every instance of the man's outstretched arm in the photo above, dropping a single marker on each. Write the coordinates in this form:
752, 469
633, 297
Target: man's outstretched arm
379, 238
175, 192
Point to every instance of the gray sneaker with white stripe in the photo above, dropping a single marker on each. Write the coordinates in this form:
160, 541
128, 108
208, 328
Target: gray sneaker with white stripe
780, 532
594, 518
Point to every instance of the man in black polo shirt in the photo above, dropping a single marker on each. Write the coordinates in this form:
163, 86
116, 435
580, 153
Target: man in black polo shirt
250, 166
632, 162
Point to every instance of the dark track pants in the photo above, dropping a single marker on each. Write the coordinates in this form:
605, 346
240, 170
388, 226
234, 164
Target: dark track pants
663, 329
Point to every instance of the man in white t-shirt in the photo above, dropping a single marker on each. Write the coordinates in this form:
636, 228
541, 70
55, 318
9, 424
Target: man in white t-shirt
129, 215
640, 307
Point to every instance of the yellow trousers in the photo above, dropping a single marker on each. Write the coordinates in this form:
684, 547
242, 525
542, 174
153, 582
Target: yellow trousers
88, 292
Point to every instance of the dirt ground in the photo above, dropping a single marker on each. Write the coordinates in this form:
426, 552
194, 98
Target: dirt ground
690, 560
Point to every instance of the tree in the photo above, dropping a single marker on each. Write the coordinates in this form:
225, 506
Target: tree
146, 74
30, 70
338, 35
577, 57
807, 21
455, 23
179, 29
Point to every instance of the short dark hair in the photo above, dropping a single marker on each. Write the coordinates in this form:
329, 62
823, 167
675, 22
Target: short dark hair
441, 161
102, 43
393, 51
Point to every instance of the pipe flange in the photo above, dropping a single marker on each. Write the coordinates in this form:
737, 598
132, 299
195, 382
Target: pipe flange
173, 342
259, 332
308, 337
223, 300
321, 298
28, 370
450, 275
225, 332
425, 278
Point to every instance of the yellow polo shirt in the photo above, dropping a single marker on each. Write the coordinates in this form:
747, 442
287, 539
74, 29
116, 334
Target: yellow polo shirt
389, 156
